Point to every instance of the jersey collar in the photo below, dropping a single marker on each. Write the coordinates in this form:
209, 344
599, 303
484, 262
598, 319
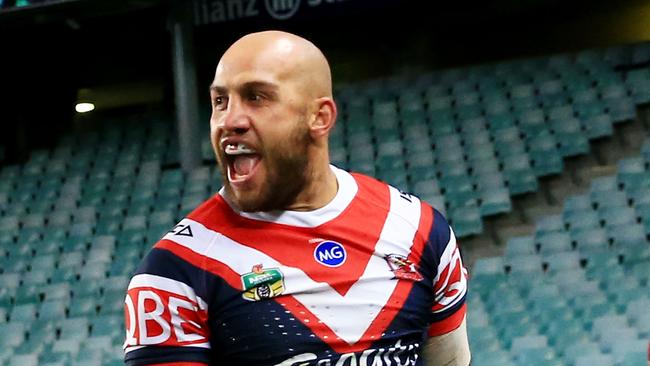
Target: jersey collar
347, 189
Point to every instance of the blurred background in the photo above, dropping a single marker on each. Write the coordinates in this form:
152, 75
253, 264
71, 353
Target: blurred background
525, 122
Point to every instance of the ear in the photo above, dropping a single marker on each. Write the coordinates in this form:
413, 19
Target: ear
324, 117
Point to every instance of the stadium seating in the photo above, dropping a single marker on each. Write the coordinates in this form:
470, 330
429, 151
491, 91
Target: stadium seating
585, 281
487, 133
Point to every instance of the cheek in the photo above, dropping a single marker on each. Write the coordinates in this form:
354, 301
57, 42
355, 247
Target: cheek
215, 133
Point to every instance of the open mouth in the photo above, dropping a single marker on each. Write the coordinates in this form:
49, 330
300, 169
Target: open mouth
242, 161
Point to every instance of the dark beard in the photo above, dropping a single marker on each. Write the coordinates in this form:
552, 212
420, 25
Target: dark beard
287, 171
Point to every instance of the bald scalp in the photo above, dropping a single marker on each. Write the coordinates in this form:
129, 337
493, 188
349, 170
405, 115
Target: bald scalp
286, 56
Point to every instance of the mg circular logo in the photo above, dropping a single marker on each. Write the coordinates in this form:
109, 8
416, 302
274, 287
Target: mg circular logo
282, 9
330, 253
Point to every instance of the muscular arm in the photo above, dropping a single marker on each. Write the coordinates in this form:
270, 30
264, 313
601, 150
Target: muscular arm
450, 349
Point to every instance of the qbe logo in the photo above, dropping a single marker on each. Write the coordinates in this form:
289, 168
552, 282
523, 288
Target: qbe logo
330, 253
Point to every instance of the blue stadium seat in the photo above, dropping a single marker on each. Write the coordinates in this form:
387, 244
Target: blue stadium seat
554, 242
559, 261
442, 123
36, 278
488, 181
501, 358
634, 181
605, 260
572, 142
500, 118
532, 122
621, 109
56, 291
621, 215
590, 239
438, 101
634, 358
52, 310
488, 266
584, 219
594, 359
545, 157
521, 181
93, 271
76, 329
521, 245
627, 234
83, 307
23, 360
637, 82
71, 259
507, 142
495, 201
107, 325
632, 254
523, 97
606, 199
549, 224
69, 346
561, 112
466, 221
528, 264
598, 126
630, 165
64, 274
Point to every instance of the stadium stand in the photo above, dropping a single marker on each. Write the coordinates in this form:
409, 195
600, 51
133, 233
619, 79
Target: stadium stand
470, 142
591, 276
75, 220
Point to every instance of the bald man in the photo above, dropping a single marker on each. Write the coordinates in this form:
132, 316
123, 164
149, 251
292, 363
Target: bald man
295, 261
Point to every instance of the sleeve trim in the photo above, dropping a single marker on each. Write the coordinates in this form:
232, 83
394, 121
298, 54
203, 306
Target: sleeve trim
448, 324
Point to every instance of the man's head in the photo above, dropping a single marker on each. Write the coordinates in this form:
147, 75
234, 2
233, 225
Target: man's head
272, 110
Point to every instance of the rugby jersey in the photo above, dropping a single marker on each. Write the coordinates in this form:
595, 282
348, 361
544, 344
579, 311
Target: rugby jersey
364, 280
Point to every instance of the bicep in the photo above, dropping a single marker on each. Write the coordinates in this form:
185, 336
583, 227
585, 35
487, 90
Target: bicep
449, 349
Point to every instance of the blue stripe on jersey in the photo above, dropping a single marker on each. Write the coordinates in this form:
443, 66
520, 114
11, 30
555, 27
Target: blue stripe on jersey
175, 268
439, 237
435, 246
155, 355
242, 329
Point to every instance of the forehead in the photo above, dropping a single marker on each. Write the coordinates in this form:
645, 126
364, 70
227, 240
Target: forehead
246, 64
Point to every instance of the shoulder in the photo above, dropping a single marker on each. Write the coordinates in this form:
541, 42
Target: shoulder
210, 212
189, 240
405, 208
202, 224
378, 192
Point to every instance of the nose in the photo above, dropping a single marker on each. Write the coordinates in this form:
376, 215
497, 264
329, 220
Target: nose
234, 118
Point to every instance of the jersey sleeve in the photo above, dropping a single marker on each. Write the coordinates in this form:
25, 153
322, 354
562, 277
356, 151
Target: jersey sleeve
450, 282
166, 315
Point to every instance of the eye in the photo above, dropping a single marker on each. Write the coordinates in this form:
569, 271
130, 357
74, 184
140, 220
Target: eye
254, 97
219, 102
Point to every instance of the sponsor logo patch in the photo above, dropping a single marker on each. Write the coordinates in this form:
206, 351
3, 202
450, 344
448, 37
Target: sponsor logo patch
402, 268
160, 316
261, 283
395, 355
330, 253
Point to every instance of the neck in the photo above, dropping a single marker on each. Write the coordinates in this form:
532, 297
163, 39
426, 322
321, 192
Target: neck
320, 189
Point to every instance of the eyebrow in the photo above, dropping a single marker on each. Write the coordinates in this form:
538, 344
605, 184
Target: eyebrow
248, 85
